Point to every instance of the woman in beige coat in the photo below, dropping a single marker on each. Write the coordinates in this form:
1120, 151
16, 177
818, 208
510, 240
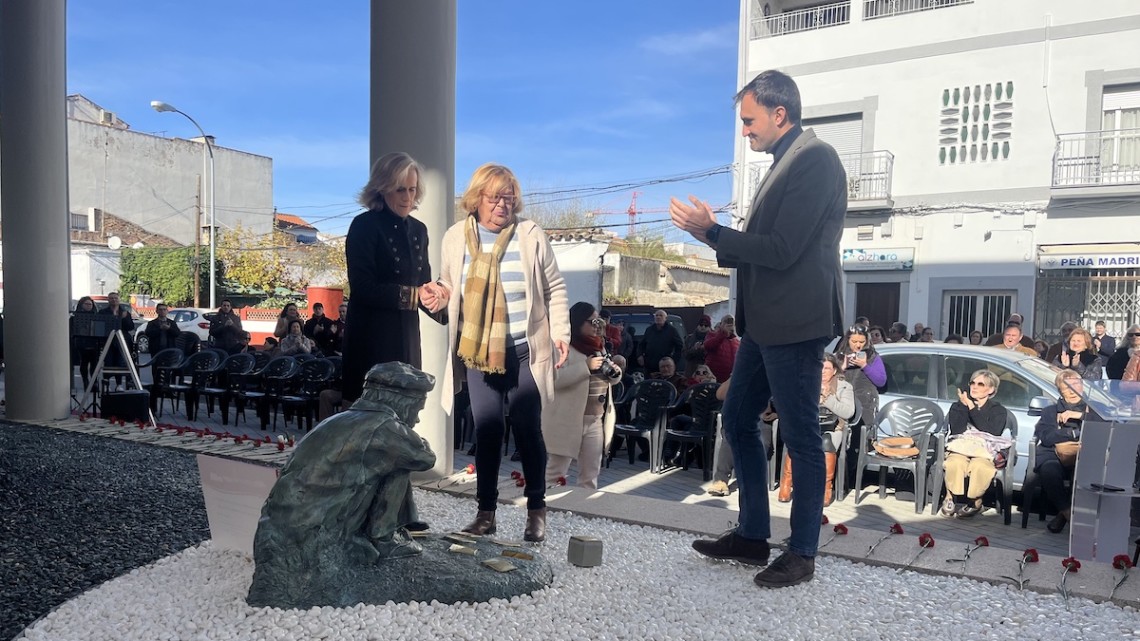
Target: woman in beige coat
507, 332
578, 422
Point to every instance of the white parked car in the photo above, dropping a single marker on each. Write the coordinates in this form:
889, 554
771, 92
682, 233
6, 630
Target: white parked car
189, 319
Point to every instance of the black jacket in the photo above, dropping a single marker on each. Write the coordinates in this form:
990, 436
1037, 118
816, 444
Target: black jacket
387, 260
657, 343
1117, 363
789, 282
987, 418
226, 336
324, 339
159, 339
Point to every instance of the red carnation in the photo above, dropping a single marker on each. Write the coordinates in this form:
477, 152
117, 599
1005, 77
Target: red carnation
926, 540
257, 443
470, 469
840, 529
281, 447
1071, 564
520, 481
1030, 555
1121, 562
516, 475
825, 521
982, 542
561, 480
896, 529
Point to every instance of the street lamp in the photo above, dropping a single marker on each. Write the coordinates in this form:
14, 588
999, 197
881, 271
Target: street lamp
160, 106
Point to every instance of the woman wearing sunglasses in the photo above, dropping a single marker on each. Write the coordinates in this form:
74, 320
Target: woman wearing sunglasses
976, 409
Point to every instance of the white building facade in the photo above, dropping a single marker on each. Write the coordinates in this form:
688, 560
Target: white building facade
992, 150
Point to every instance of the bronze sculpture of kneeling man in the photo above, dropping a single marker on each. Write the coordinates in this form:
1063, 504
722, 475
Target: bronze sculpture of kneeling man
346, 488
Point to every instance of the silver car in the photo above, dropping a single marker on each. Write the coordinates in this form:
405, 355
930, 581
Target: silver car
935, 371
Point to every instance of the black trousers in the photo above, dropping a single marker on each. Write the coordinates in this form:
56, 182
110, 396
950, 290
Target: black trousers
495, 398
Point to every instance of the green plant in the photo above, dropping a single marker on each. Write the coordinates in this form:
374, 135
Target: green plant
164, 272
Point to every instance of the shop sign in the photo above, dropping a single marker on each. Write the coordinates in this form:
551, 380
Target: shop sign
1088, 261
881, 259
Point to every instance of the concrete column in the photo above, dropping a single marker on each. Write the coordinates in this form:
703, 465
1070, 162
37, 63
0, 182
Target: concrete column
413, 110
33, 186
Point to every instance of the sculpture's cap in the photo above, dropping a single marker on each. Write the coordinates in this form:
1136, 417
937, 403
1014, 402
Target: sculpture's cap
399, 377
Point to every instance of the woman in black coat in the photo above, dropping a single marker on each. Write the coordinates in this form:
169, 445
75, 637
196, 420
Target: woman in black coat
387, 252
1059, 423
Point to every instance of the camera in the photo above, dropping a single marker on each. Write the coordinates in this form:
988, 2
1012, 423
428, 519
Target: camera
599, 323
608, 368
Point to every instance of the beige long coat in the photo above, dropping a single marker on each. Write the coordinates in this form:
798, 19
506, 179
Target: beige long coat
562, 416
548, 315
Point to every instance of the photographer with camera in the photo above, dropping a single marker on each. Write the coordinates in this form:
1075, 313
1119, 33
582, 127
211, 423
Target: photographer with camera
579, 420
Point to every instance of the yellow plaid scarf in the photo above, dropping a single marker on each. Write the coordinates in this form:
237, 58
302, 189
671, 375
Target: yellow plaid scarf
483, 341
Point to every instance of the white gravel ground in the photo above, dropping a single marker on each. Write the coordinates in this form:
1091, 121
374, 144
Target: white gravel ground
651, 586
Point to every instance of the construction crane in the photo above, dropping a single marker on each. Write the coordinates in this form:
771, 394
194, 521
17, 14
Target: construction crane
633, 212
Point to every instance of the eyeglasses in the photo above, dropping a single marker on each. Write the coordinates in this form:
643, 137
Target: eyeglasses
508, 199
979, 383
1133, 334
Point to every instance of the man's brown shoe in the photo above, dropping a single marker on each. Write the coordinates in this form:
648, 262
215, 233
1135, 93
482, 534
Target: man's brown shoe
535, 530
731, 547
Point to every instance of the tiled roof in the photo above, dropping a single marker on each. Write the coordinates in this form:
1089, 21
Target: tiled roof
289, 221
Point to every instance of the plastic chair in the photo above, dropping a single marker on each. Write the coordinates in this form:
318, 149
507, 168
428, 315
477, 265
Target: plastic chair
916, 418
199, 367
225, 382
311, 380
276, 382
704, 409
1003, 479
650, 401
165, 367
254, 388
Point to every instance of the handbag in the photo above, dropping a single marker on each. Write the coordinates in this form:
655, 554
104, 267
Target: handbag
1067, 452
900, 447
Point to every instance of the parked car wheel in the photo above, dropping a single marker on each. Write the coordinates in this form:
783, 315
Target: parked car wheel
142, 343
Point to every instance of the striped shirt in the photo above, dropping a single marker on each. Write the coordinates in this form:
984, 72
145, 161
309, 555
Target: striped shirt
514, 282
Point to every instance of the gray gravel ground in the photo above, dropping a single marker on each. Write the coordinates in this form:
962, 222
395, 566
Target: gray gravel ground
78, 510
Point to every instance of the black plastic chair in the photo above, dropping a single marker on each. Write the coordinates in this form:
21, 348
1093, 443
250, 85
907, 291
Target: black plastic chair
916, 418
195, 376
225, 382
1003, 480
261, 358
304, 357
703, 408
257, 384
312, 379
650, 401
165, 366
277, 381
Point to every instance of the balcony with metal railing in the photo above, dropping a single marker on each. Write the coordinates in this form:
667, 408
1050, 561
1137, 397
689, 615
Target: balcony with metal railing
1097, 164
875, 9
799, 20
869, 176
807, 19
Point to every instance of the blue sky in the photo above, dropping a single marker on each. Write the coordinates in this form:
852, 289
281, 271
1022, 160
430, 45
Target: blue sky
566, 94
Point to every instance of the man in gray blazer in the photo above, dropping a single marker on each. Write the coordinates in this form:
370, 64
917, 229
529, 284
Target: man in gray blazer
788, 298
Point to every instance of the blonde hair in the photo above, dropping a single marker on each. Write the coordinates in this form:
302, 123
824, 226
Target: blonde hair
387, 173
1080, 331
491, 179
1066, 375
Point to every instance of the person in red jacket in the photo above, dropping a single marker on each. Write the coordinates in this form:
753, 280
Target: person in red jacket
613, 334
720, 348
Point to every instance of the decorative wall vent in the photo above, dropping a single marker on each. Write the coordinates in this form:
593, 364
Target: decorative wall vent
976, 123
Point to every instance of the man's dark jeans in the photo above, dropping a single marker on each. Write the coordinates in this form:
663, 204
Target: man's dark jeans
790, 374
